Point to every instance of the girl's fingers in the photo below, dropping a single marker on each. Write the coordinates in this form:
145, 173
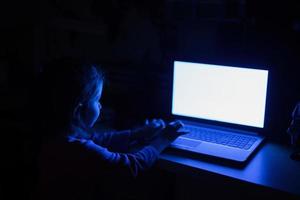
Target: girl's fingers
162, 123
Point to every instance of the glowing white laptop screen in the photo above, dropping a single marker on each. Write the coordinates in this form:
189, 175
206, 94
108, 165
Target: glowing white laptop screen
220, 93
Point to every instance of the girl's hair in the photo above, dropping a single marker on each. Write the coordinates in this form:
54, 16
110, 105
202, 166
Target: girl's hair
66, 83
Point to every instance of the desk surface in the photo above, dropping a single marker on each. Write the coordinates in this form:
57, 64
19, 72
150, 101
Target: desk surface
271, 167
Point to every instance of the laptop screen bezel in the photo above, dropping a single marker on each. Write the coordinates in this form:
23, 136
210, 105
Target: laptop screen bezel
219, 123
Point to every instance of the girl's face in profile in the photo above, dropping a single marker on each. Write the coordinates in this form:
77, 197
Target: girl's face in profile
92, 111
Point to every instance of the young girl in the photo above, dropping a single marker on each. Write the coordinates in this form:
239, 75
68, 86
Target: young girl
75, 162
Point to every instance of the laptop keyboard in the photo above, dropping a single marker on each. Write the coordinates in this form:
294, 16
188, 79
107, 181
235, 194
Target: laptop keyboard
219, 137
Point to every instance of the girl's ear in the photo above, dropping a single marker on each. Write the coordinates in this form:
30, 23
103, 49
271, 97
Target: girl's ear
77, 111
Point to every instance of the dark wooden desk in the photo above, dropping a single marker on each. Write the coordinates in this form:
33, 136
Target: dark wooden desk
270, 168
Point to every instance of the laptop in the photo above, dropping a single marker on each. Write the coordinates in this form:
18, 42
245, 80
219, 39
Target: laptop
222, 108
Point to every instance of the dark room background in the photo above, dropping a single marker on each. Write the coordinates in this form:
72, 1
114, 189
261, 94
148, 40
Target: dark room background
135, 42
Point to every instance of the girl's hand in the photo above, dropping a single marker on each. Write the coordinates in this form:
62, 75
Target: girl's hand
168, 135
172, 130
149, 130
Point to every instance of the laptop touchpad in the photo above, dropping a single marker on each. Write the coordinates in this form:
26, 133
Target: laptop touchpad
186, 142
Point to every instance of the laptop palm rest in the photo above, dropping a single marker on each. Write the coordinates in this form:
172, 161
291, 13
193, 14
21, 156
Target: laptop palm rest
212, 149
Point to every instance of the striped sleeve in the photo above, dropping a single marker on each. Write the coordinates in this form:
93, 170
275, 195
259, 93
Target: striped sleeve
125, 163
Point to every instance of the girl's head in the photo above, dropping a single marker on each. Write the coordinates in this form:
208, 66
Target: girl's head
72, 90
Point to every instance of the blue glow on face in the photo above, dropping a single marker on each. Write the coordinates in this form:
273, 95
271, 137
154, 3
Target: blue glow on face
220, 93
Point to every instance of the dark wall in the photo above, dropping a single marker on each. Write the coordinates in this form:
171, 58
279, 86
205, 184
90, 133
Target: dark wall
136, 42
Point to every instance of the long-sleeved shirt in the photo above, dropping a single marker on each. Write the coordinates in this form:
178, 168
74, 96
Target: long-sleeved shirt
73, 168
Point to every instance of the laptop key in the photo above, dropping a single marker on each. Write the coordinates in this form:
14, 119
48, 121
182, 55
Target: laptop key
227, 139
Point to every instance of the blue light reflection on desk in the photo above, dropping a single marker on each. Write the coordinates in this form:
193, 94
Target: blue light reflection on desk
270, 167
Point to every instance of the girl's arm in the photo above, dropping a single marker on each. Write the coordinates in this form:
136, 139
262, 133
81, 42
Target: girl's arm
118, 141
128, 164
128, 140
